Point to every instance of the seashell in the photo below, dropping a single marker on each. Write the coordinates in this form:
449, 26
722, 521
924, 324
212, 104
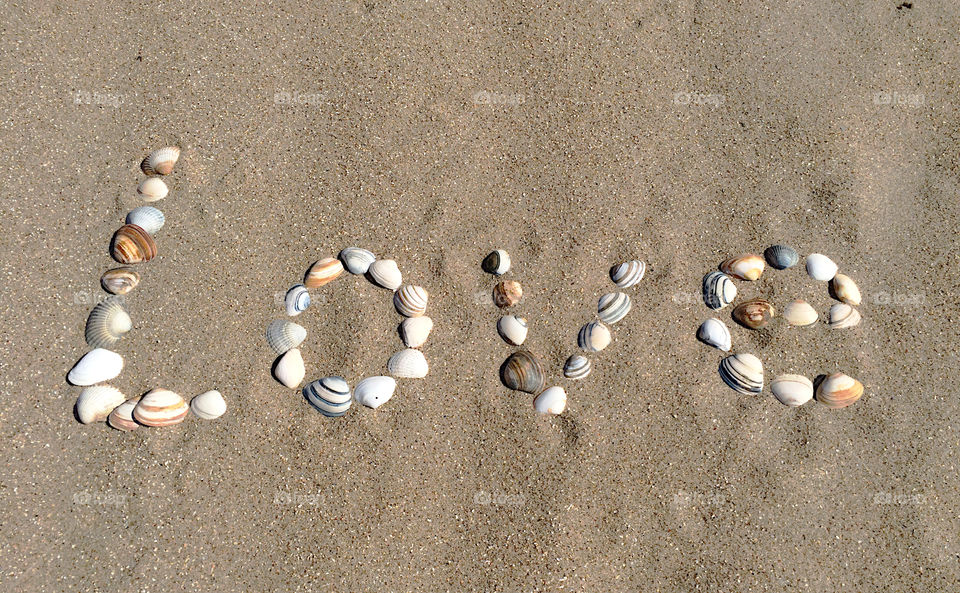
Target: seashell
745, 267
628, 273
121, 417
408, 364
415, 331
107, 323
552, 401
593, 337
160, 407
289, 369
330, 395
160, 161
507, 294
132, 245
96, 403
497, 262
718, 290
373, 392
754, 314
512, 329
576, 367
209, 405
152, 189
282, 335
146, 217
714, 332
845, 289
386, 274
843, 315
356, 260
323, 272
613, 307
297, 300
410, 300
120, 280
96, 366
781, 257
523, 372
839, 391
821, 267
743, 373
800, 313
792, 390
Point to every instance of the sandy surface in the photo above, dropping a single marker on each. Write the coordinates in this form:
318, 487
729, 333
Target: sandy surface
432, 133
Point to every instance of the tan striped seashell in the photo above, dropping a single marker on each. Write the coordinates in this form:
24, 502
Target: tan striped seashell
121, 417
839, 391
160, 407
410, 300
323, 272
120, 280
132, 245
744, 267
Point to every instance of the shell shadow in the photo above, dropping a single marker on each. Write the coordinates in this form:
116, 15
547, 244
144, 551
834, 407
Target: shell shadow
273, 367
816, 385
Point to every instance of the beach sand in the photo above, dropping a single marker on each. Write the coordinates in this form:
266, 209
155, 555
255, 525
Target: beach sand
573, 136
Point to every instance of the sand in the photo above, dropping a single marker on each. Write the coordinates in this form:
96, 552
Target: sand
575, 137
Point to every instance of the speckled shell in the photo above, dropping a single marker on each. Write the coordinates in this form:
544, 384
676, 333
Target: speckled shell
821, 267
330, 396
576, 367
507, 293
147, 217
512, 329
96, 366
289, 369
410, 300
718, 290
120, 280
744, 267
95, 403
107, 323
323, 272
121, 418
415, 331
152, 189
522, 372
373, 392
209, 405
628, 273
714, 332
839, 391
613, 307
845, 289
160, 407
800, 313
497, 262
781, 257
408, 364
356, 260
593, 337
296, 300
552, 400
160, 161
754, 314
132, 245
792, 390
282, 335
843, 315
743, 373
386, 274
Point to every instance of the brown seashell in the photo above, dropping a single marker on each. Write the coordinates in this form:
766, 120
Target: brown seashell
132, 245
523, 372
839, 391
120, 280
754, 313
745, 267
507, 294
323, 272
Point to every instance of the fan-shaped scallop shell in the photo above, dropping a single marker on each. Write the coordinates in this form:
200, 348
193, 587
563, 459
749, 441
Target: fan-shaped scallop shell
843, 315
209, 405
522, 372
121, 417
512, 329
152, 189
507, 294
628, 273
714, 332
148, 218
754, 314
551, 401
800, 313
593, 337
373, 392
356, 260
96, 366
408, 364
821, 267
323, 272
107, 323
792, 390
410, 300
497, 262
613, 307
132, 245
743, 373
718, 290
781, 257
160, 161
839, 391
296, 300
160, 407
845, 289
282, 335
120, 280
95, 403
744, 267
386, 274
414, 331
329, 395
289, 369
576, 367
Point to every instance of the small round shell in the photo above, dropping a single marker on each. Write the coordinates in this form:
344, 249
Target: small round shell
613, 307
96, 366
415, 331
496, 263
160, 161
628, 273
152, 189
330, 396
120, 280
209, 405
512, 329
718, 290
576, 367
132, 245
507, 294
373, 392
551, 401
121, 418
845, 289
282, 335
522, 371
781, 257
754, 314
743, 373
593, 337
148, 218
843, 315
289, 369
821, 267
296, 300
792, 390
410, 300
714, 332
800, 313
839, 391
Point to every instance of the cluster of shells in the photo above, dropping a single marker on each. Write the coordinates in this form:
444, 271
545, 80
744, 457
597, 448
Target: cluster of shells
332, 396
109, 321
742, 371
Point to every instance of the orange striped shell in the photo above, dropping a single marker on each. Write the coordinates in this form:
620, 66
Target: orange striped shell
132, 245
160, 407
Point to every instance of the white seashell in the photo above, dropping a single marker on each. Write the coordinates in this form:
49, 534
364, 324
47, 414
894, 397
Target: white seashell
160, 161
160, 407
714, 332
512, 329
628, 273
96, 366
385, 273
792, 390
410, 300
209, 405
356, 260
95, 403
147, 217
373, 392
408, 364
496, 263
282, 335
800, 313
845, 289
152, 189
330, 395
297, 300
745, 267
593, 337
415, 331
843, 315
839, 391
121, 417
718, 290
576, 367
743, 373
107, 323
552, 400
289, 369
613, 307
821, 267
